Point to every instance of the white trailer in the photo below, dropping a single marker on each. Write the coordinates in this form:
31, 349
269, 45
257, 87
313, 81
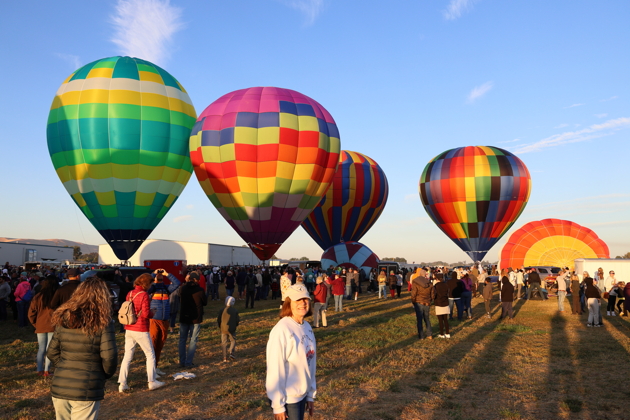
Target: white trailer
619, 266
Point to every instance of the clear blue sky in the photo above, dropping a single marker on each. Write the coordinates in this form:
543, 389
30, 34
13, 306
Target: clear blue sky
404, 80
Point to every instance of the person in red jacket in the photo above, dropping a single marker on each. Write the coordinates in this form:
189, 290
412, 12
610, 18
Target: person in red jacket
320, 296
338, 289
138, 333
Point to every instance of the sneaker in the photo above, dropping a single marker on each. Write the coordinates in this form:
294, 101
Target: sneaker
155, 385
488, 316
613, 314
599, 325
441, 336
589, 325
123, 387
447, 335
232, 357
159, 372
224, 360
607, 313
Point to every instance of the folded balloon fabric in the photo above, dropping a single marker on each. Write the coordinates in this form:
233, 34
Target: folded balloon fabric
184, 375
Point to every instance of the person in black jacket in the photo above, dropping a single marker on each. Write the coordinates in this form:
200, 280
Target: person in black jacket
83, 351
193, 299
507, 297
64, 293
440, 296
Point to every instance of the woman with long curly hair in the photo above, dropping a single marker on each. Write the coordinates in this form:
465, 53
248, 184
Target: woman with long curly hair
83, 351
40, 315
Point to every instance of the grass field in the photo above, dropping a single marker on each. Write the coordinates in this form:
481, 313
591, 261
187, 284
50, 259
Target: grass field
541, 365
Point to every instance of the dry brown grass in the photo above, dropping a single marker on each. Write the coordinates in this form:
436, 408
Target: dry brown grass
541, 365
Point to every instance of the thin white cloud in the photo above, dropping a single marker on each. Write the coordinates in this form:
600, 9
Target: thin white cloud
618, 222
309, 8
572, 106
509, 141
182, 218
409, 198
609, 99
575, 201
594, 131
145, 28
561, 125
479, 91
73, 60
601, 115
455, 8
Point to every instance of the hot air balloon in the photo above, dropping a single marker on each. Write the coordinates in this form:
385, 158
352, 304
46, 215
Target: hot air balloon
352, 204
264, 156
117, 135
475, 194
551, 242
350, 255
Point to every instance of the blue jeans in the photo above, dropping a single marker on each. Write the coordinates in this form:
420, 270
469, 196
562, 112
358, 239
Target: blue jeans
214, 291
338, 303
467, 302
422, 314
561, 295
22, 310
460, 307
229, 292
43, 364
296, 410
382, 291
186, 354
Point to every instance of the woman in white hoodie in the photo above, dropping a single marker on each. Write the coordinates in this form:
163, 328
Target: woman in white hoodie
292, 358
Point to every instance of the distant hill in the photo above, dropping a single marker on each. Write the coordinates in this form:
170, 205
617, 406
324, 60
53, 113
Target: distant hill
85, 248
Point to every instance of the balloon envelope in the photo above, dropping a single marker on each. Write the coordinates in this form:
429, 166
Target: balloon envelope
551, 242
117, 135
475, 194
264, 156
350, 255
352, 204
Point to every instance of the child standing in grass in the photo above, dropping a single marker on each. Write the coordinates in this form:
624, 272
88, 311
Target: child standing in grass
228, 320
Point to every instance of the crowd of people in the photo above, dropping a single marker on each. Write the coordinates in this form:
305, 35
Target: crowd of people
75, 320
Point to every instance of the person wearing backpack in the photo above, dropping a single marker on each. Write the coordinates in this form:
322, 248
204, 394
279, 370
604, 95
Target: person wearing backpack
161, 308
138, 333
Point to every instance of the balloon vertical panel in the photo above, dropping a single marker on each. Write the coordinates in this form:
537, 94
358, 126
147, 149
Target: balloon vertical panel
117, 135
352, 204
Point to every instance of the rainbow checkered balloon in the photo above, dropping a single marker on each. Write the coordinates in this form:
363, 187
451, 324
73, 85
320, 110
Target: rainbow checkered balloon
265, 156
117, 133
475, 194
352, 204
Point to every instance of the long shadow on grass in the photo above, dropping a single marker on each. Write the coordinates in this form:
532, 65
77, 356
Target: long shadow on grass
431, 373
491, 368
562, 377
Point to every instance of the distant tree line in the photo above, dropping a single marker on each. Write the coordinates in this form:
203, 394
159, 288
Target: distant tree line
625, 256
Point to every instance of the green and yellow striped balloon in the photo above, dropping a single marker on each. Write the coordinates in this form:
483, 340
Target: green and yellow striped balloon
118, 133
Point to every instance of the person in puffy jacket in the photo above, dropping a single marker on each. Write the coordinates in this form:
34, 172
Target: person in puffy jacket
161, 308
22, 304
138, 333
421, 294
83, 351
